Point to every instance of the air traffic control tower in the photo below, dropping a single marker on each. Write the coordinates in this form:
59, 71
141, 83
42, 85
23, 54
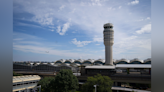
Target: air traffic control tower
108, 42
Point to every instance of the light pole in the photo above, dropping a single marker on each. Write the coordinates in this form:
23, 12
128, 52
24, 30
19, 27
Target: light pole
39, 88
23, 83
95, 87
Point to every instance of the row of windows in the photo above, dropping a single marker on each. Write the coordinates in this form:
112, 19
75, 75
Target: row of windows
108, 27
22, 83
40, 67
21, 67
134, 62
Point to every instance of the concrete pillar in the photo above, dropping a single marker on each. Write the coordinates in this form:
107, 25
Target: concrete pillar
119, 84
115, 84
40, 88
149, 71
127, 70
27, 90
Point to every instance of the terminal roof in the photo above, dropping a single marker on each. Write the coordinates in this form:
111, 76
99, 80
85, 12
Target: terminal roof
133, 66
100, 67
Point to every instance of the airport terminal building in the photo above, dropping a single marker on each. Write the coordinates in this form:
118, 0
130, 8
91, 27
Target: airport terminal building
121, 70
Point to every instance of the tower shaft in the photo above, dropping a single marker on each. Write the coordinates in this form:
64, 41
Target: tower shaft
108, 55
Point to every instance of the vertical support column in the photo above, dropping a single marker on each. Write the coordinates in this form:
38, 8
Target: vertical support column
119, 84
40, 88
149, 71
127, 70
26, 90
115, 84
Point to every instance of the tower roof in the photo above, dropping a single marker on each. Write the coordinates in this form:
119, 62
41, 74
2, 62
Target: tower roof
108, 25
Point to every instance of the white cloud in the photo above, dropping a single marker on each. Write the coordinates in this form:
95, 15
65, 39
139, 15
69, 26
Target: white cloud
75, 31
98, 39
148, 18
83, 4
31, 25
41, 50
52, 30
58, 29
140, 20
61, 7
119, 7
86, 18
146, 44
18, 39
124, 44
23, 36
73, 10
130, 38
132, 47
103, 50
133, 2
45, 20
80, 43
111, 8
23, 42
144, 29
89, 19
97, 44
130, 13
96, 2
64, 29
29, 42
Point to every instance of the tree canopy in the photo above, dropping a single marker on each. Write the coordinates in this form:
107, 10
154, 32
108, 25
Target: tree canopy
15, 74
47, 84
104, 84
65, 81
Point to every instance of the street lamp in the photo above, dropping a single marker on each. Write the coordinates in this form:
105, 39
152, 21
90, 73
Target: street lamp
40, 88
95, 86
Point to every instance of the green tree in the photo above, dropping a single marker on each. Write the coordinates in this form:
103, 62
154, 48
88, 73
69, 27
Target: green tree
47, 84
65, 81
104, 84
15, 74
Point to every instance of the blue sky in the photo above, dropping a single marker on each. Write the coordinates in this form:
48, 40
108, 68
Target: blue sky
49, 30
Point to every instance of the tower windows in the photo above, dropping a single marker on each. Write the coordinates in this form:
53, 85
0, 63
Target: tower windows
108, 27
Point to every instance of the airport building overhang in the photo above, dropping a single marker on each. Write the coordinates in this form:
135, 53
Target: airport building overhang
133, 66
100, 67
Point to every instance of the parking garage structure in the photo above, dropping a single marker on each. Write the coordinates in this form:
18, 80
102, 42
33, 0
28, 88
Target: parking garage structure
25, 83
